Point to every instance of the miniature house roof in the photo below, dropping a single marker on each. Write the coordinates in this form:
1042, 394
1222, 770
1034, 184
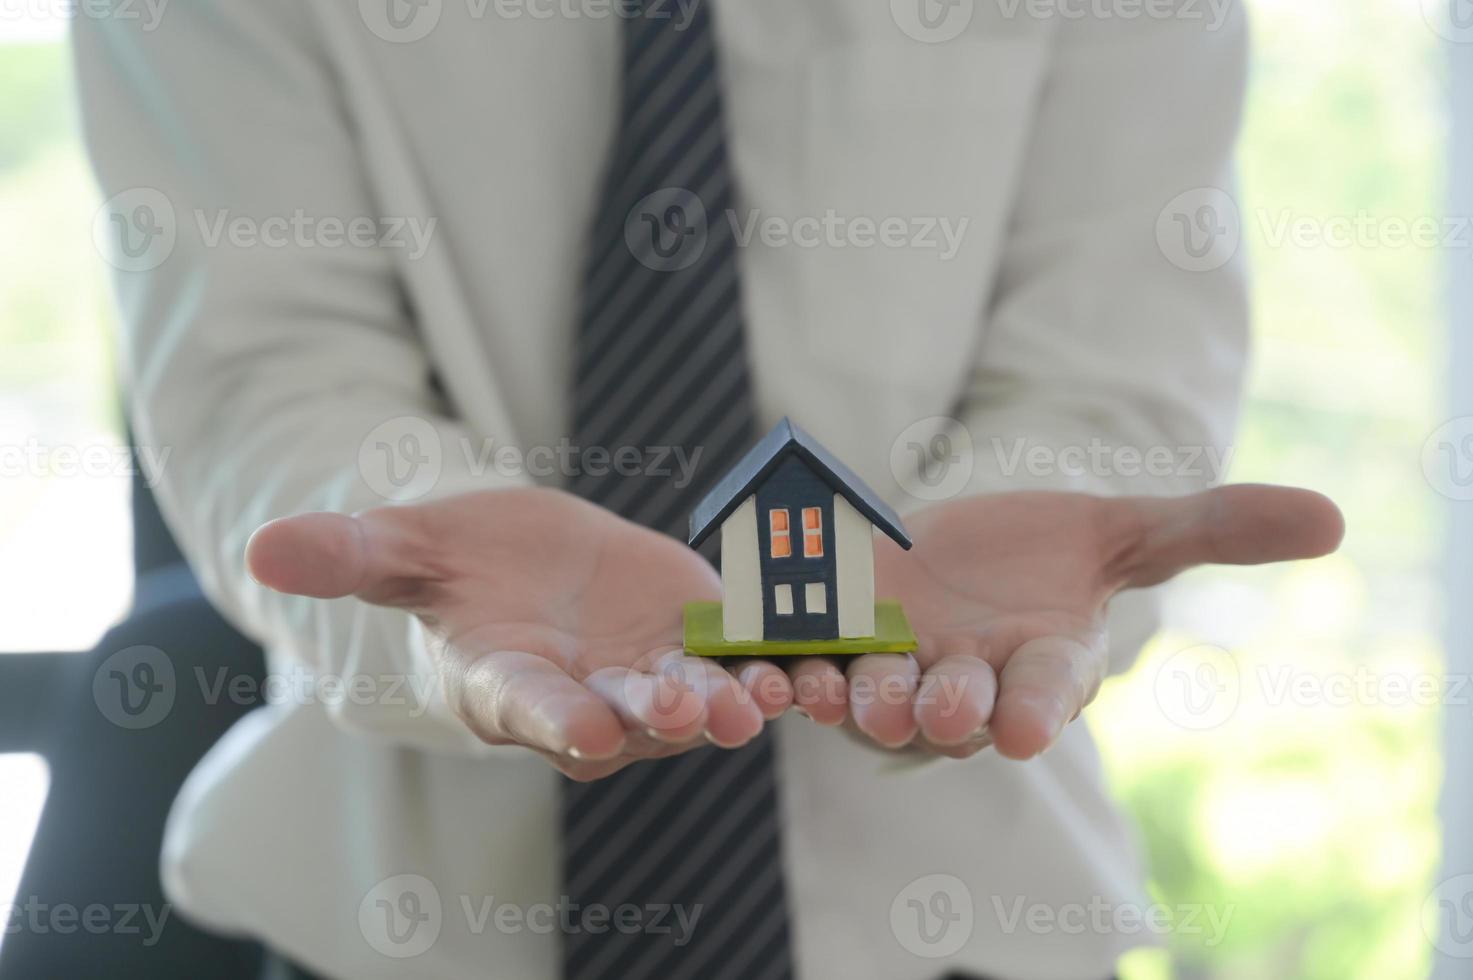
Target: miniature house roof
783, 441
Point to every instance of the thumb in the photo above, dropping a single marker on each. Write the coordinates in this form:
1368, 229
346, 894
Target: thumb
1246, 524
373, 555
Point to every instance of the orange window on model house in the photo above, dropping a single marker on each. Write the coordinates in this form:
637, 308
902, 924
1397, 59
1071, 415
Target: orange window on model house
812, 532
781, 541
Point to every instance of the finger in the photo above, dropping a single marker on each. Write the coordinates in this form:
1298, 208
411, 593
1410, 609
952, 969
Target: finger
955, 700
527, 700
375, 555
667, 705
1043, 686
767, 685
882, 689
732, 717
1247, 524
586, 772
819, 690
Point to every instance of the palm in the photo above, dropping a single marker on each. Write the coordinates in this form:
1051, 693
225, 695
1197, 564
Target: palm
988, 574
547, 574
555, 624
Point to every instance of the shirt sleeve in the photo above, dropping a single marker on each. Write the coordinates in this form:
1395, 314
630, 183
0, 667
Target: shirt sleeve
1116, 341
270, 352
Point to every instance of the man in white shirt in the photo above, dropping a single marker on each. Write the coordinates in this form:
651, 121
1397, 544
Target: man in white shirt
352, 253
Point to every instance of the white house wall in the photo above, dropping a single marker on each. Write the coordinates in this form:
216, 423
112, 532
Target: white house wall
741, 574
854, 553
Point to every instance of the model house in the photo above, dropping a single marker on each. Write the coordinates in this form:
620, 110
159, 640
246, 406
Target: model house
797, 543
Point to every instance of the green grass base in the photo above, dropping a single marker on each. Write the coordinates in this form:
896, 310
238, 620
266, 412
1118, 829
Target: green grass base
703, 636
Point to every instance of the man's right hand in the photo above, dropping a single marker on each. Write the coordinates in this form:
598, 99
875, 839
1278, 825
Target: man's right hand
556, 624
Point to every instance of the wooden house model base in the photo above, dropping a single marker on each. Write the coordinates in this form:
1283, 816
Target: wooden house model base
703, 636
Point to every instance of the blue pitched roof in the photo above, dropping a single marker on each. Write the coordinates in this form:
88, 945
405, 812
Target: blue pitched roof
784, 440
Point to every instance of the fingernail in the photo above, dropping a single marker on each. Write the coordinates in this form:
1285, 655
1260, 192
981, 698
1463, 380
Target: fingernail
902, 743
576, 753
1050, 711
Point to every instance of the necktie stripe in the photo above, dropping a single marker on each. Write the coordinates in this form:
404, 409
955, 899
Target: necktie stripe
639, 877
730, 437
643, 497
638, 288
637, 408
708, 474
623, 279
744, 946
693, 297
645, 45
705, 813
636, 826
743, 880
663, 158
761, 888
681, 69
661, 363
639, 178
598, 812
604, 377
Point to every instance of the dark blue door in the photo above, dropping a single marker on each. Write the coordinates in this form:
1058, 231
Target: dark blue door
795, 528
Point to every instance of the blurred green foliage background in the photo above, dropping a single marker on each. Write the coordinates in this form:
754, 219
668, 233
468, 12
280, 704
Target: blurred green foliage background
1313, 822
1313, 816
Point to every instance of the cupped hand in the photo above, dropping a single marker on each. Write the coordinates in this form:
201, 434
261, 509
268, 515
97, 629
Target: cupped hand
1007, 596
555, 624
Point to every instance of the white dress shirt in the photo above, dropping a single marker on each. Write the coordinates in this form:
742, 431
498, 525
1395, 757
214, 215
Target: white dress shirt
277, 355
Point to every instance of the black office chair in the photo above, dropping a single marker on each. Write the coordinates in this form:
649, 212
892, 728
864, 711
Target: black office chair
111, 785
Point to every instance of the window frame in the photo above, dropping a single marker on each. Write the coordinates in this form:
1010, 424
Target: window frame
812, 535
776, 534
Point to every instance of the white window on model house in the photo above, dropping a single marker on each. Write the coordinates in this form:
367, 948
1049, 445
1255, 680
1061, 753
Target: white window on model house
783, 597
815, 598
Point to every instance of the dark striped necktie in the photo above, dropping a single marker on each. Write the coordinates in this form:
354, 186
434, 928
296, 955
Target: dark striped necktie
662, 366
